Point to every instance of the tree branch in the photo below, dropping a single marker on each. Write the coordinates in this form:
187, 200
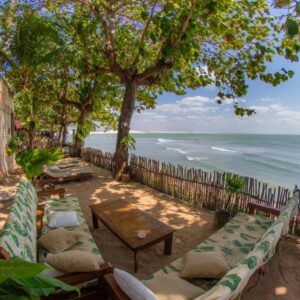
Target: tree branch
109, 43
152, 74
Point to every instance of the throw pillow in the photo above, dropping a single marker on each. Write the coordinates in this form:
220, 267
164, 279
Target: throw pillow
74, 261
63, 219
132, 287
58, 240
204, 265
172, 287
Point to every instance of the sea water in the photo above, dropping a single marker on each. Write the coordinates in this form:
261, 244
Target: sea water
270, 158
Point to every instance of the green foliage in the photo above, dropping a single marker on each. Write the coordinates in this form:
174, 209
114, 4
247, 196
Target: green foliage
292, 27
234, 185
32, 161
12, 146
22, 280
128, 141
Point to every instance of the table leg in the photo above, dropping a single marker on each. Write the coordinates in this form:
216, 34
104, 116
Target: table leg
95, 221
135, 261
168, 245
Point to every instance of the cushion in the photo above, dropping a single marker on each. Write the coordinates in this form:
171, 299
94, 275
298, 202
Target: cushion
58, 240
63, 219
204, 265
132, 287
54, 168
74, 261
18, 236
171, 287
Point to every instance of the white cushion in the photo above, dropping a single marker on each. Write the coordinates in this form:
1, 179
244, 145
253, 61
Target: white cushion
63, 219
54, 168
132, 287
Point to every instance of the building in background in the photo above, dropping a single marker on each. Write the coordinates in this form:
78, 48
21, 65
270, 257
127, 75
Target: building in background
7, 162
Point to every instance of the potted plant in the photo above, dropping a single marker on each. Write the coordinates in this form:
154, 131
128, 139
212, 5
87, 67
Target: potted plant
126, 174
234, 186
129, 143
33, 161
23, 280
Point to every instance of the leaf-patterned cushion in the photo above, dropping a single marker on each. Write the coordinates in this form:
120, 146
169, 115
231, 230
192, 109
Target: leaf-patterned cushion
234, 241
18, 236
85, 240
248, 242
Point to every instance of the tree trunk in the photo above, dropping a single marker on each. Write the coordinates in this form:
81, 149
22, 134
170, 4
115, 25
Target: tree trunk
78, 143
64, 134
127, 109
31, 134
60, 134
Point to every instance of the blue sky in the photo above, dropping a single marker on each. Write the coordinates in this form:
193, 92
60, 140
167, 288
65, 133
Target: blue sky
278, 109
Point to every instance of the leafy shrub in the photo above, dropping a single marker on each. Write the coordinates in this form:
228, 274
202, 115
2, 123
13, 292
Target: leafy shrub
33, 161
21, 280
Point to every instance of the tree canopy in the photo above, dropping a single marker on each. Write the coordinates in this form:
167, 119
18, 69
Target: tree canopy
139, 49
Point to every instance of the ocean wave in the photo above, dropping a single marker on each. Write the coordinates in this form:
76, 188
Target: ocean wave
195, 158
166, 141
223, 149
178, 150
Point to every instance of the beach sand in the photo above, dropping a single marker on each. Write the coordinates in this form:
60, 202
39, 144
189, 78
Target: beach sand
281, 277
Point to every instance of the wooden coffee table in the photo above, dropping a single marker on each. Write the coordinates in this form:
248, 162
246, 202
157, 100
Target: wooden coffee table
125, 221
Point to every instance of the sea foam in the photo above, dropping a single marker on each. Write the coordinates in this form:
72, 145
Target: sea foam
223, 149
178, 150
165, 141
196, 158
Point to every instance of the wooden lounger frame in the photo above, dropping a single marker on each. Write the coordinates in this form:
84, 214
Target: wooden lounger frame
46, 179
71, 278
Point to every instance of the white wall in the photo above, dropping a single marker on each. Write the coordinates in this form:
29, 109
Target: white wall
6, 110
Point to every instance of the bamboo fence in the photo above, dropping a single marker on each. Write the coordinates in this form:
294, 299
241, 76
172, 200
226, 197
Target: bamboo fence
197, 187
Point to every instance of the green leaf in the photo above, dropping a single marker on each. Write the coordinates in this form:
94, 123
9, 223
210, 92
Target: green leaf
298, 8
41, 285
250, 227
205, 249
18, 277
226, 251
19, 268
144, 14
292, 27
232, 282
246, 236
251, 262
264, 246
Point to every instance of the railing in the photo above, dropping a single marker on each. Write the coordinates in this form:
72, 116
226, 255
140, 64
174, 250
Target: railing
197, 187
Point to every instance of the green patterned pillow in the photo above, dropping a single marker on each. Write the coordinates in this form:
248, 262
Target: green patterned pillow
18, 236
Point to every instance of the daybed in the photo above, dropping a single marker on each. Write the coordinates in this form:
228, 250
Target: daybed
65, 173
27, 220
246, 242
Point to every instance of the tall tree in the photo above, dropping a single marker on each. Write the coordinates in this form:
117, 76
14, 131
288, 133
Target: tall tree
26, 40
169, 46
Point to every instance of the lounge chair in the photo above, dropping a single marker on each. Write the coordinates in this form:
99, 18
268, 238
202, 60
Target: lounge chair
247, 243
28, 221
65, 173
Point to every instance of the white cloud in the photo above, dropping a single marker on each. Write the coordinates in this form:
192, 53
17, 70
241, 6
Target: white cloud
203, 114
277, 107
196, 104
289, 115
268, 99
260, 109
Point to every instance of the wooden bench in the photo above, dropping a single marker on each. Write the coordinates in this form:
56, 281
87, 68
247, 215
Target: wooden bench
29, 204
264, 246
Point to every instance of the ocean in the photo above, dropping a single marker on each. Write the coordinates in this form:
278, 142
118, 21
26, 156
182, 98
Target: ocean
270, 158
